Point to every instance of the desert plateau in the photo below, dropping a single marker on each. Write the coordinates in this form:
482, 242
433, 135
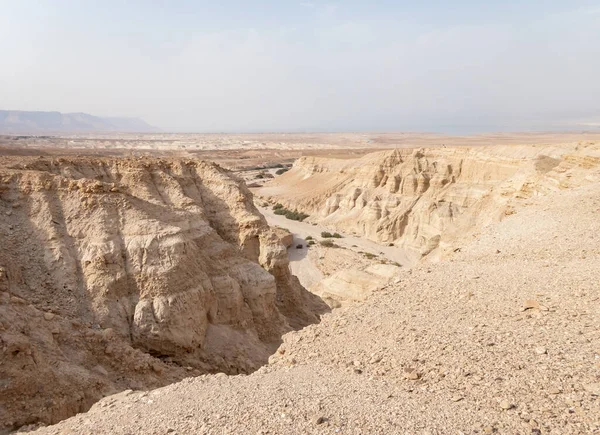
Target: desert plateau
299, 217
341, 288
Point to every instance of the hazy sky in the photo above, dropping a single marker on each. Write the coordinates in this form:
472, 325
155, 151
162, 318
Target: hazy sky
249, 65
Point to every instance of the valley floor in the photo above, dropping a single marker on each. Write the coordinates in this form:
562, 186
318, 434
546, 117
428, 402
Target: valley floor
502, 337
305, 266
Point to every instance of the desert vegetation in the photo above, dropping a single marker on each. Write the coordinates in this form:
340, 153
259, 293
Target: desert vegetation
327, 234
293, 215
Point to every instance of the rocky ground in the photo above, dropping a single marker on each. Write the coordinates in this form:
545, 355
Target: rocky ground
500, 337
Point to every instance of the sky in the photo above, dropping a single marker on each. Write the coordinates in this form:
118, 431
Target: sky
284, 65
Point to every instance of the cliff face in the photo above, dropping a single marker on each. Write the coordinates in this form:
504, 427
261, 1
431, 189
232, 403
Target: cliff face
121, 273
424, 199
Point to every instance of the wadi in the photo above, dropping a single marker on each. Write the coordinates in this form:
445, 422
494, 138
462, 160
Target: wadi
339, 288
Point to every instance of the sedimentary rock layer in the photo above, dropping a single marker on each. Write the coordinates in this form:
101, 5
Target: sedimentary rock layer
131, 273
423, 199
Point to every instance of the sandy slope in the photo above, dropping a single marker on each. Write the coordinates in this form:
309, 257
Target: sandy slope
453, 348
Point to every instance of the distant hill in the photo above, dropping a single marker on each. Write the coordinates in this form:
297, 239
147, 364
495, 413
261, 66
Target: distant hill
16, 121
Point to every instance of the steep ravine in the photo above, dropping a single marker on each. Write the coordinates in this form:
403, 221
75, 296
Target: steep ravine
132, 273
424, 200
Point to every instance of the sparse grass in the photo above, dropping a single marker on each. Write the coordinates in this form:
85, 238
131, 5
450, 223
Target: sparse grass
369, 255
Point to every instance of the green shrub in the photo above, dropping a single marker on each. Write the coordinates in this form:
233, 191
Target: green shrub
311, 242
370, 256
281, 171
328, 243
326, 234
293, 215
336, 235
308, 238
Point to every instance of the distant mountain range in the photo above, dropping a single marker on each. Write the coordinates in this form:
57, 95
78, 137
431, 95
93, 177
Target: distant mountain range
16, 121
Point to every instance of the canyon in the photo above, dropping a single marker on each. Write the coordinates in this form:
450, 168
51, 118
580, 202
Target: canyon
426, 200
121, 273
163, 295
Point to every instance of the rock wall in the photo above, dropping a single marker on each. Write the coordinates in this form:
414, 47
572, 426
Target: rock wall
132, 273
423, 199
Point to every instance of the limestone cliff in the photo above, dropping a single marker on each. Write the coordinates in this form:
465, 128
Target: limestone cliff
130, 273
423, 199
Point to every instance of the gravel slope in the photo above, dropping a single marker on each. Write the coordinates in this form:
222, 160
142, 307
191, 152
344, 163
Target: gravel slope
504, 337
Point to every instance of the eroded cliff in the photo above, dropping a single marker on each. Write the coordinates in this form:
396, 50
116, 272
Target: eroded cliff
132, 273
423, 200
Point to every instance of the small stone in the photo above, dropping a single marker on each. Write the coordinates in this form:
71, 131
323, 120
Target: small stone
488, 429
593, 388
319, 419
375, 360
541, 350
457, 398
554, 391
411, 374
48, 316
506, 405
530, 304
108, 334
17, 300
